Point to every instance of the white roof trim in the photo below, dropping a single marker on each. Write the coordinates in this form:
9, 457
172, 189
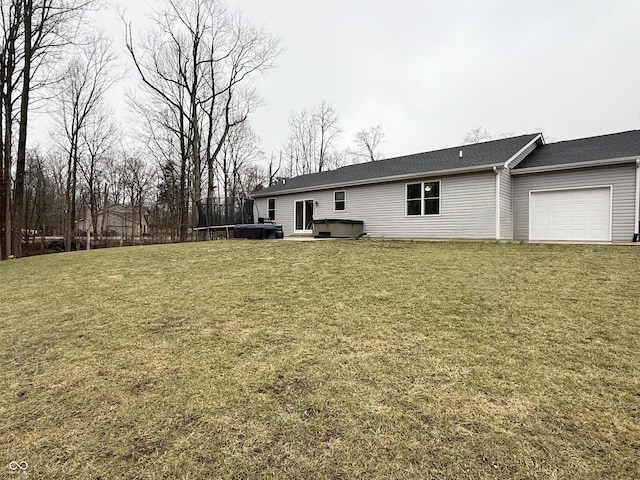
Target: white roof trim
571, 166
507, 164
393, 178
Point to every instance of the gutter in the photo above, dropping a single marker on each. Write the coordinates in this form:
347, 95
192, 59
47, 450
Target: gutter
570, 166
497, 171
636, 230
391, 178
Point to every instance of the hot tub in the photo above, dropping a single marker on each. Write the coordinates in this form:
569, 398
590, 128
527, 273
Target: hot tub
337, 228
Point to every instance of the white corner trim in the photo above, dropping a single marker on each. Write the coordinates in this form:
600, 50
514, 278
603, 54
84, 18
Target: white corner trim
508, 163
636, 227
497, 171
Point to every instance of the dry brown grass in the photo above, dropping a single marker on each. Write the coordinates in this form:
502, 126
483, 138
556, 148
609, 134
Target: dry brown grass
341, 359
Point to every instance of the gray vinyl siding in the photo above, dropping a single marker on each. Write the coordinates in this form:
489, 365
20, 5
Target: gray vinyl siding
285, 208
261, 208
506, 210
506, 194
620, 177
467, 208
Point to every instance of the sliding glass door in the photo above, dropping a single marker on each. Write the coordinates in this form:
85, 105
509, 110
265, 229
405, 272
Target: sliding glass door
304, 216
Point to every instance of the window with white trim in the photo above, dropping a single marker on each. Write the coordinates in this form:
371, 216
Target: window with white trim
271, 208
339, 201
423, 198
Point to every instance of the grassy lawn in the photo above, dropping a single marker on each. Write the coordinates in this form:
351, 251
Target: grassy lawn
335, 359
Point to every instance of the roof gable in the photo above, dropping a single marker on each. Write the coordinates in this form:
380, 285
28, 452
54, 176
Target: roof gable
485, 154
603, 147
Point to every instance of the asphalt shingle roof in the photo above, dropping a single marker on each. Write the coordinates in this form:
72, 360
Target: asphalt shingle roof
475, 155
603, 147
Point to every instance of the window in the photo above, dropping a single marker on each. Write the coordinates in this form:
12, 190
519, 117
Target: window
271, 209
339, 201
423, 198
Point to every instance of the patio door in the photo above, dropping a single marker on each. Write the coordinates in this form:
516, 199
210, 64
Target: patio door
304, 216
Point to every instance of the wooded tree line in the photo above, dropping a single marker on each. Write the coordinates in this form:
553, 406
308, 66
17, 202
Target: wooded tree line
195, 64
34, 35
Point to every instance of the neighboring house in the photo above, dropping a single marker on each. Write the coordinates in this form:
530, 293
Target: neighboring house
118, 221
510, 189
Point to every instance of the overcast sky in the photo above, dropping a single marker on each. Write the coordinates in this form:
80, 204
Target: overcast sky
430, 71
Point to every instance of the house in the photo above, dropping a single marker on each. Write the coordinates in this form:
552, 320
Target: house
118, 221
516, 188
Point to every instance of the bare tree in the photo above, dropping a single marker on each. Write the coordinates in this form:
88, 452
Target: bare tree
301, 144
167, 207
88, 76
326, 122
253, 178
312, 138
34, 32
140, 180
9, 83
196, 67
98, 139
240, 152
477, 135
272, 174
54, 169
367, 141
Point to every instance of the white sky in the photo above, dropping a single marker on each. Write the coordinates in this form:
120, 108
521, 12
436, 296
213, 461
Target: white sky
430, 71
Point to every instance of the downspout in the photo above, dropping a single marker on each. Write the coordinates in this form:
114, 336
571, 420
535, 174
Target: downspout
497, 171
636, 228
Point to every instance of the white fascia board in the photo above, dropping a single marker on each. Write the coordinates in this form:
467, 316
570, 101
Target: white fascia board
508, 163
393, 178
572, 166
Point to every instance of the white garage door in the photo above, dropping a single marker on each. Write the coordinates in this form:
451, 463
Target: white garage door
580, 214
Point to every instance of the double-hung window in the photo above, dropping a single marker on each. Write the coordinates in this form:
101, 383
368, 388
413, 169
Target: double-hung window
339, 201
423, 198
271, 208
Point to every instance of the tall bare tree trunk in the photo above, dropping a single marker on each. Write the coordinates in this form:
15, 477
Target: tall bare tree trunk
105, 211
6, 186
197, 180
70, 192
140, 214
7, 88
18, 193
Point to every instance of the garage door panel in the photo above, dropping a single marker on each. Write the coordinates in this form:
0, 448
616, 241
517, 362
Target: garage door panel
579, 214
579, 209
599, 210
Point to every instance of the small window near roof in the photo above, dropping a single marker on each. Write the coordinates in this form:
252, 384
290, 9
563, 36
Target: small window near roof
271, 209
339, 201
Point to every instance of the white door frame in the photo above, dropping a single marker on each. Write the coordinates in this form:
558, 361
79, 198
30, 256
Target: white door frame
304, 215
